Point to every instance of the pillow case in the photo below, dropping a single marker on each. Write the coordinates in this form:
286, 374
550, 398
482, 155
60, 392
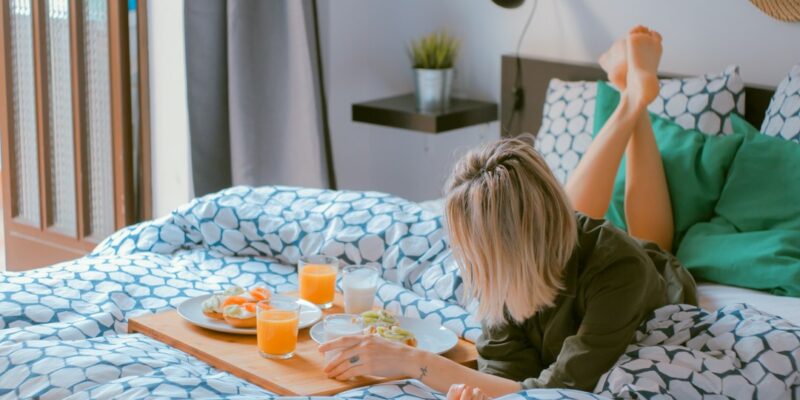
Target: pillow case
695, 165
783, 114
567, 121
754, 239
702, 102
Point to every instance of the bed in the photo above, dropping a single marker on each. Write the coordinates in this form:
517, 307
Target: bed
534, 77
63, 329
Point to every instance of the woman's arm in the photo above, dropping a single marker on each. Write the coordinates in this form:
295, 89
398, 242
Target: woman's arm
440, 373
617, 300
370, 355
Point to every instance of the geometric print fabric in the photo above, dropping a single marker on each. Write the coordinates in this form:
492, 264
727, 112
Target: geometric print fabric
684, 352
783, 114
567, 122
703, 103
63, 328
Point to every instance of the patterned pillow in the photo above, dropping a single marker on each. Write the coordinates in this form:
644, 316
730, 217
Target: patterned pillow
703, 103
783, 114
567, 123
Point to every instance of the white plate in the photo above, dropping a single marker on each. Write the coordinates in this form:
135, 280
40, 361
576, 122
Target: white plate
430, 335
192, 311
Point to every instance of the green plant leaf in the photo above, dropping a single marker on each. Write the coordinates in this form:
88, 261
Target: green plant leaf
437, 50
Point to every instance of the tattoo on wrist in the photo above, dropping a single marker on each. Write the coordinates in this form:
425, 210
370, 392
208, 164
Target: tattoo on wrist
423, 372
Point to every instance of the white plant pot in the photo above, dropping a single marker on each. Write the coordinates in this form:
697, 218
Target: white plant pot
433, 87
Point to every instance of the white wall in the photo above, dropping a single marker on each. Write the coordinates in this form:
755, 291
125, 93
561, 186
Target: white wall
365, 59
168, 108
364, 52
699, 36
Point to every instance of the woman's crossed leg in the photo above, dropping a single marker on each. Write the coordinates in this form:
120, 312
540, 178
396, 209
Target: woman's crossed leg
631, 64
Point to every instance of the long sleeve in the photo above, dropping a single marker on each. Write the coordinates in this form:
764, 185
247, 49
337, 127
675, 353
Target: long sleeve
506, 351
616, 301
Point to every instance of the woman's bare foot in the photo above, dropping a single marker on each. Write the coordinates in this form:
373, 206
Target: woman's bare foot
615, 62
643, 55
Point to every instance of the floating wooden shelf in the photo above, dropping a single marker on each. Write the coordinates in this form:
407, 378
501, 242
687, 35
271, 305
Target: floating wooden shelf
401, 112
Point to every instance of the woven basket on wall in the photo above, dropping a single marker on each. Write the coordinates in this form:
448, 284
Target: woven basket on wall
784, 10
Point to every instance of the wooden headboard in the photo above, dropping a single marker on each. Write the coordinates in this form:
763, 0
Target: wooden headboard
536, 75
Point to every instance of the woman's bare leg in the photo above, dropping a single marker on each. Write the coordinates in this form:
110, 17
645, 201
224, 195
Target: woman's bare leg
631, 65
590, 186
648, 210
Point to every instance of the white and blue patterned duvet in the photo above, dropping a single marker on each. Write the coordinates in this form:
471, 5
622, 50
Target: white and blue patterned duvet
63, 328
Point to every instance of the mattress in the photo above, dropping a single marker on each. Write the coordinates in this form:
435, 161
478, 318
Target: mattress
713, 296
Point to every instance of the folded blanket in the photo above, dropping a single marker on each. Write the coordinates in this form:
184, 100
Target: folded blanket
63, 328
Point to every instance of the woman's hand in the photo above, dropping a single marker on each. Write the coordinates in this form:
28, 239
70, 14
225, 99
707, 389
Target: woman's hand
369, 355
466, 392
373, 355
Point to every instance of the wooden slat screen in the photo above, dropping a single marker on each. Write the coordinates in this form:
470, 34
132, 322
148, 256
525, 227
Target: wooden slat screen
45, 240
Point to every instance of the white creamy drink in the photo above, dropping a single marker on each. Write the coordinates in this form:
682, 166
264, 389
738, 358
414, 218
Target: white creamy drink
339, 325
359, 284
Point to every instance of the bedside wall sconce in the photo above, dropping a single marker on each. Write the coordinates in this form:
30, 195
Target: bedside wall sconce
508, 3
517, 92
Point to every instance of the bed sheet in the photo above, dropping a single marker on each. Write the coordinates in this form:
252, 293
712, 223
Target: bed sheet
713, 296
63, 328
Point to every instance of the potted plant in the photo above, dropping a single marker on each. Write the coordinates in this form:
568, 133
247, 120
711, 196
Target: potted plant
433, 57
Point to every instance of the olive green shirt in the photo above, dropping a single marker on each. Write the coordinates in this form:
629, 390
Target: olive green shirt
612, 283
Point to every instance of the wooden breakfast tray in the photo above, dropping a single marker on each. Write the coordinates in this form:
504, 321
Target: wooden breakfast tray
301, 375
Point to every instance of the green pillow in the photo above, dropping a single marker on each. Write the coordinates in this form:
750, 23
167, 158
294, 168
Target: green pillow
695, 165
754, 241
763, 187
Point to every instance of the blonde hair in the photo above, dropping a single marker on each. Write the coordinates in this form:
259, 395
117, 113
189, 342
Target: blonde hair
511, 229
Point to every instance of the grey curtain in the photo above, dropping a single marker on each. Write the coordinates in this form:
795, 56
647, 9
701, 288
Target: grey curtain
254, 94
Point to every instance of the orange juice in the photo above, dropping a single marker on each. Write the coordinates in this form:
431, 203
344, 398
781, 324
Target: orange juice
276, 332
317, 283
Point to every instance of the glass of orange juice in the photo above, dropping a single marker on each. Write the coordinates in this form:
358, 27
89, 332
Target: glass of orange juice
317, 279
276, 327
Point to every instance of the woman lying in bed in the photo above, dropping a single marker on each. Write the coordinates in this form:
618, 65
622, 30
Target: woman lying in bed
560, 293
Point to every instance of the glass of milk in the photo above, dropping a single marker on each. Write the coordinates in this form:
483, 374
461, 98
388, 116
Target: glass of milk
339, 325
359, 283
